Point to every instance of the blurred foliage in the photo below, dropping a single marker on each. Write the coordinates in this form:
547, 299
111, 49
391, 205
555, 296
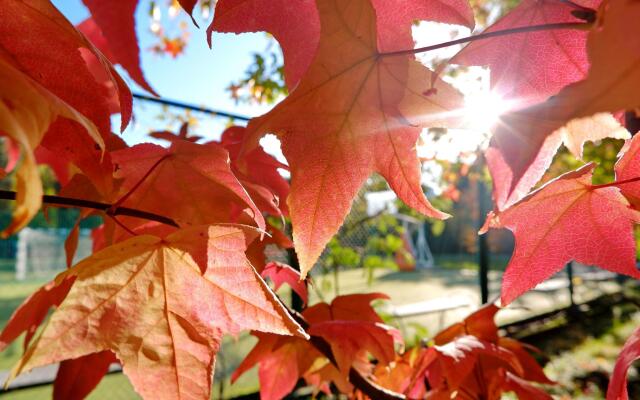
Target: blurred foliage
485, 10
420, 332
171, 34
584, 352
385, 247
263, 82
379, 245
172, 118
341, 256
603, 153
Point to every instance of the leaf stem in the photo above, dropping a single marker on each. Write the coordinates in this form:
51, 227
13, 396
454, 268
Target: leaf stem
140, 182
121, 225
95, 205
488, 35
616, 183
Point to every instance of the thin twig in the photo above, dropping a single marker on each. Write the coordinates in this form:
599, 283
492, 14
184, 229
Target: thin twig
616, 183
487, 35
313, 284
121, 225
140, 182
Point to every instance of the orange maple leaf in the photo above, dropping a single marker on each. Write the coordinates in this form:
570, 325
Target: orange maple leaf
162, 307
567, 219
196, 177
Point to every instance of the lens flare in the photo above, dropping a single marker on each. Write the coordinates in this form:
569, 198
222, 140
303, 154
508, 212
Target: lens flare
482, 110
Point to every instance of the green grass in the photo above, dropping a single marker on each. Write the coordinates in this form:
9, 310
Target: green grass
497, 262
12, 294
583, 371
402, 286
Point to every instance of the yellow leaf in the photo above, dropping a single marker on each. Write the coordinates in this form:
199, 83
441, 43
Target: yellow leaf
26, 111
162, 307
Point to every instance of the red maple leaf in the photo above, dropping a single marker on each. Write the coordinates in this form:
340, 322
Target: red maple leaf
281, 273
354, 112
151, 173
525, 140
78, 377
548, 234
116, 22
630, 352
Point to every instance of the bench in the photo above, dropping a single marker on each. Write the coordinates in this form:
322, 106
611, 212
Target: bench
439, 305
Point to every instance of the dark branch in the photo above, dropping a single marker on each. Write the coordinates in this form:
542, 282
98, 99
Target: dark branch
482, 36
186, 106
95, 205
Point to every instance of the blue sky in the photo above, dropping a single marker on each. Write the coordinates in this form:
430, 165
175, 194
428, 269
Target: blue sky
199, 76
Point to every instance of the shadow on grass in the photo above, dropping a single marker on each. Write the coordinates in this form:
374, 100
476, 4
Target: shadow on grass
580, 329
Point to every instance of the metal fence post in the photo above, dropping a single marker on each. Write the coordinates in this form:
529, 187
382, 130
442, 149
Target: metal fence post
571, 288
296, 301
483, 248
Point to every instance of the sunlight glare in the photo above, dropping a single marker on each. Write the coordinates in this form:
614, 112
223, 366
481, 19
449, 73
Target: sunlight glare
483, 109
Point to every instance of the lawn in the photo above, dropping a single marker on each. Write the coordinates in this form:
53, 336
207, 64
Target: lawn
497, 262
12, 294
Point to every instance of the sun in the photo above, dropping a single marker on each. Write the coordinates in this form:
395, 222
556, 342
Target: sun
480, 113
483, 109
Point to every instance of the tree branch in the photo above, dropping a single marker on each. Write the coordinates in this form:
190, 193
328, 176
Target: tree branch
488, 35
186, 106
111, 209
